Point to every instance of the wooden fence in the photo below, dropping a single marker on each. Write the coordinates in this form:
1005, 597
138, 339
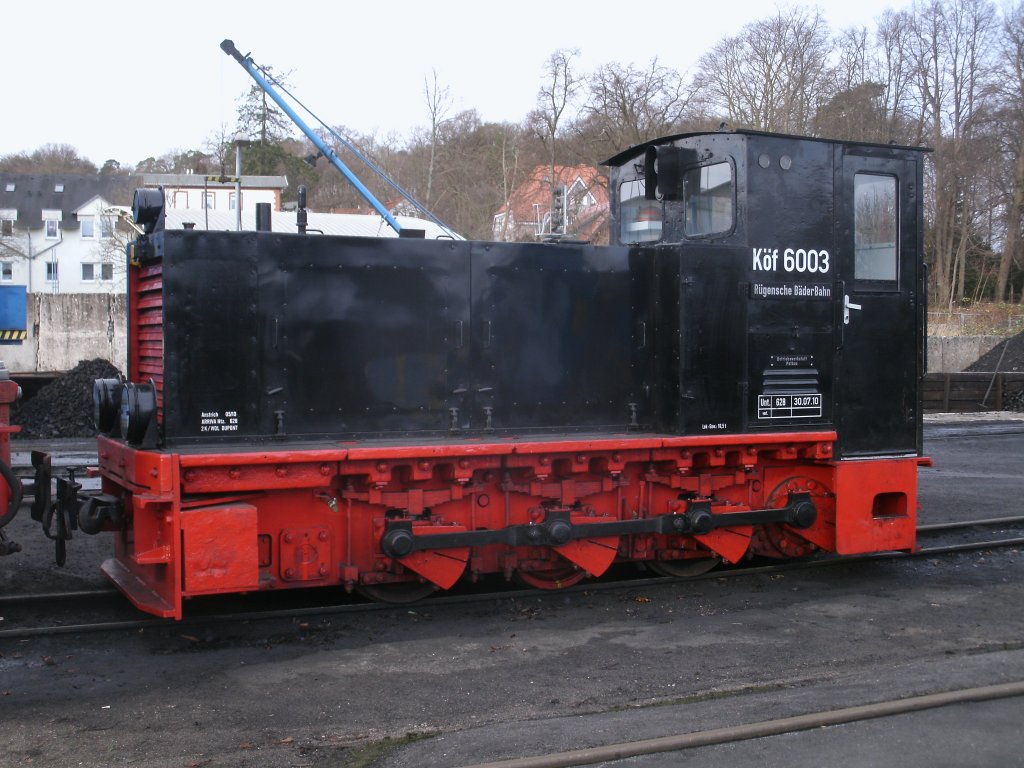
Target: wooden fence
973, 392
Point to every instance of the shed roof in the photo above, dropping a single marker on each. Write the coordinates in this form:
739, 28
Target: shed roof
198, 180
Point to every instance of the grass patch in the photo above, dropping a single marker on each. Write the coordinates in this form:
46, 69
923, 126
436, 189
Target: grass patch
980, 319
366, 755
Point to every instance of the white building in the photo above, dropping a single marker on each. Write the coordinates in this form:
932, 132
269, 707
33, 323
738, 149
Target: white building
62, 233
66, 234
63, 238
215, 193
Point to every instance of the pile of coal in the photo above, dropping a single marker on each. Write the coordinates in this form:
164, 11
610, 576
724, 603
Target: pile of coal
1014, 401
63, 408
1005, 357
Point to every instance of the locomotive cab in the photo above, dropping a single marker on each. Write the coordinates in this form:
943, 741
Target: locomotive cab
786, 284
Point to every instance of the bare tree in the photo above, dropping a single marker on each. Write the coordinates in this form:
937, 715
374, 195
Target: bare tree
866, 102
893, 67
951, 46
555, 96
772, 75
218, 145
1009, 89
14, 245
854, 52
630, 105
178, 161
116, 230
48, 159
438, 101
509, 174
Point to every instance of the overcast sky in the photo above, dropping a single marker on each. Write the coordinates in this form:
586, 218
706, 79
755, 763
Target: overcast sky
131, 80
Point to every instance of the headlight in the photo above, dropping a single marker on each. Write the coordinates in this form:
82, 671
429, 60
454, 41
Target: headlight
106, 404
138, 411
148, 209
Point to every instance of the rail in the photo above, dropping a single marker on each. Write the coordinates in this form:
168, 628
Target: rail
40, 607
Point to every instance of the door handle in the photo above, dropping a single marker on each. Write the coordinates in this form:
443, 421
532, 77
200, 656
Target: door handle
847, 306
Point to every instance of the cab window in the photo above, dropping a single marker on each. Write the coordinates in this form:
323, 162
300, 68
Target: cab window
640, 218
875, 227
708, 199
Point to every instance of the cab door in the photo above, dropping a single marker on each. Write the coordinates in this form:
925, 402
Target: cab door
879, 302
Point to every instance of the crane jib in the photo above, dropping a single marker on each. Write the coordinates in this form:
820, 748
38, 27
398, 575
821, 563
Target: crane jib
249, 66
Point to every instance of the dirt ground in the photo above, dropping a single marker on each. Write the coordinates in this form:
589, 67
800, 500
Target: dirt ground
449, 685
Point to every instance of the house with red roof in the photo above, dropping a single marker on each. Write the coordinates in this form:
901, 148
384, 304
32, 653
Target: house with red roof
573, 206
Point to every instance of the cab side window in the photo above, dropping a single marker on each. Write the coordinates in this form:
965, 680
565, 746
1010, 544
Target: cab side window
876, 227
708, 199
639, 218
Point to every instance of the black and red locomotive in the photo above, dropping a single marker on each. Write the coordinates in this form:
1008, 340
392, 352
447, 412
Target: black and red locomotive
737, 374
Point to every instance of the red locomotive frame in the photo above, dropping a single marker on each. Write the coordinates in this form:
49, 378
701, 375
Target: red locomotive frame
207, 523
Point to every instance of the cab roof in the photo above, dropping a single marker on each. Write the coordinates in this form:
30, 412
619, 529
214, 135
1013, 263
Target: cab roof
639, 149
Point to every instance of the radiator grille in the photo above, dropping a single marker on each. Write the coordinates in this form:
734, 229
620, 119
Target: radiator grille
147, 317
790, 380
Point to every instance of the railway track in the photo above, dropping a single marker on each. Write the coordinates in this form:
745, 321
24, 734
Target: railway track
27, 474
35, 610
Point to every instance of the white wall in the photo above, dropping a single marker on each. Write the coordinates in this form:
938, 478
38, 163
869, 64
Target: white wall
192, 197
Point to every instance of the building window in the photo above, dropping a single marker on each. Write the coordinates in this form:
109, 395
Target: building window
180, 199
7, 226
10, 186
51, 229
88, 227
58, 187
92, 272
51, 272
6, 271
209, 200
106, 226
232, 201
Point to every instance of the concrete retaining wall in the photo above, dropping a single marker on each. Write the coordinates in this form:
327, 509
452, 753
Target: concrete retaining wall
949, 354
64, 329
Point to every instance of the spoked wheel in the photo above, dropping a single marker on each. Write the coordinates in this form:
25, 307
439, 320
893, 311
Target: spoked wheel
683, 569
559, 577
397, 592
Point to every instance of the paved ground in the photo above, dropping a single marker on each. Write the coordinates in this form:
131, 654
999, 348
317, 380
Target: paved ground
455, 685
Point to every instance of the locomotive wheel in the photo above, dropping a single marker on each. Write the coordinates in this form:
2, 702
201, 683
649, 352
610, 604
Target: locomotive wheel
397, 592
559, 577
776, 541
683, 569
